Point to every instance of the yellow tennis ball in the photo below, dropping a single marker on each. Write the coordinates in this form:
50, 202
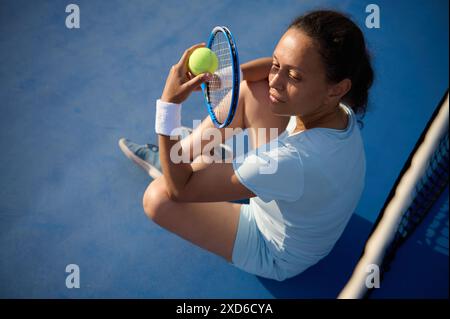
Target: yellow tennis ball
203, 60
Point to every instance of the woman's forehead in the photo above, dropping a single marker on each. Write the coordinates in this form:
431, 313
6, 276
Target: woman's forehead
297, 50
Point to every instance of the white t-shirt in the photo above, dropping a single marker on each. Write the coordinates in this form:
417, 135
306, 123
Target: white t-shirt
310, 187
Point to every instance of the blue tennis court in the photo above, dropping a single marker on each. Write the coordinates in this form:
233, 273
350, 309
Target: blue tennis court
69, 196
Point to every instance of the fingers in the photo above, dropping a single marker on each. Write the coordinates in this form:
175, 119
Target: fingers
185, 57
196, 81
190, 76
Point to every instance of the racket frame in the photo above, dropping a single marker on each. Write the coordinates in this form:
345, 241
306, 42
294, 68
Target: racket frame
236, 78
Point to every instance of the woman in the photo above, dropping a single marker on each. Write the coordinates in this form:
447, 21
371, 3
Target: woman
319, 79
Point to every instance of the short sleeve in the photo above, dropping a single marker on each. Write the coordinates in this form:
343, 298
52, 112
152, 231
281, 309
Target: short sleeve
276, 174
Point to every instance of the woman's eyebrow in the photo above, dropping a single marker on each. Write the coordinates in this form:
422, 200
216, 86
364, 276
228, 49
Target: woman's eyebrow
291, 66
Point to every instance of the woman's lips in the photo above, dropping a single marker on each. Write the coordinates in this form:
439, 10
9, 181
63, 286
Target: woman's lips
275, 99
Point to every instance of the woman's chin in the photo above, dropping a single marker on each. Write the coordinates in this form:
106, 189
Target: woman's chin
274, 106
278, 109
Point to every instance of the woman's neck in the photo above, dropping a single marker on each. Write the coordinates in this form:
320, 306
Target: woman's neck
335, 119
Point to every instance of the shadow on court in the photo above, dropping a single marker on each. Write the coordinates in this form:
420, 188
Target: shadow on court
327, 278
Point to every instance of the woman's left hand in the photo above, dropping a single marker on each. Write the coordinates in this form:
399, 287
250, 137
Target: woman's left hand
179, 83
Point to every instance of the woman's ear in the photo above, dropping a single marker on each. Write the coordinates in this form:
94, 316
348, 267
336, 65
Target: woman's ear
338, 90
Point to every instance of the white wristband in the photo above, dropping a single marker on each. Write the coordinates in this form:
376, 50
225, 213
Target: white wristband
168, 117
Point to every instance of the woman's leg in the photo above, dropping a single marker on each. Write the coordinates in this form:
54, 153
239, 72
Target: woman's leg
211, 226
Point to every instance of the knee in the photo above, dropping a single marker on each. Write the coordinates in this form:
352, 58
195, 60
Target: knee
155, 200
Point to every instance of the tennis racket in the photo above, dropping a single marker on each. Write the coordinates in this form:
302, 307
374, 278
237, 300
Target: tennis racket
222, 91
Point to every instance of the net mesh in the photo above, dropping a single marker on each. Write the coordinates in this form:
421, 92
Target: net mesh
427, 191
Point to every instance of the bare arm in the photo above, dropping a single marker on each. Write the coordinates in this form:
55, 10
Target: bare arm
197, 182
183, 182
195, 144
256, 70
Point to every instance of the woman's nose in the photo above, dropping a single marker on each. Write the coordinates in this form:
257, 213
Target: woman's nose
276, 80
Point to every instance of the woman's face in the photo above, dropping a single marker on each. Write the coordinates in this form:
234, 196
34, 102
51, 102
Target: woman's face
297, 80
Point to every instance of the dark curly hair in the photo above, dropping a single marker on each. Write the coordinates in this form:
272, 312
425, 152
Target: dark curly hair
343, 49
